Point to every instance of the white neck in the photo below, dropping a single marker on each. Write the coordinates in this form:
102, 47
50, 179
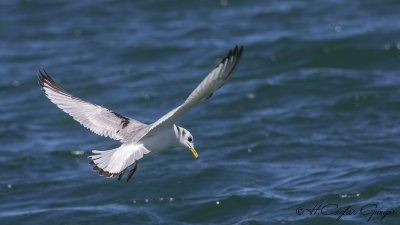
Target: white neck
179, 134
166, 139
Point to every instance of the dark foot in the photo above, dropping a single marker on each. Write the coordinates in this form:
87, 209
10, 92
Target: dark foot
132, 171
121, 174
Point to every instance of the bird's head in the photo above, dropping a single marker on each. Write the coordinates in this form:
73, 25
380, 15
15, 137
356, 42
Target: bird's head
186, 140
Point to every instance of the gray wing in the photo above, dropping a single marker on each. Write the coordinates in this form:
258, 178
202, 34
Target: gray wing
214, 80
96, 118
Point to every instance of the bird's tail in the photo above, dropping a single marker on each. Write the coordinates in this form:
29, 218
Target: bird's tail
112, 163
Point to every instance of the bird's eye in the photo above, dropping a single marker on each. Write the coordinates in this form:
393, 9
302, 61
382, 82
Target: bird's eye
190, 139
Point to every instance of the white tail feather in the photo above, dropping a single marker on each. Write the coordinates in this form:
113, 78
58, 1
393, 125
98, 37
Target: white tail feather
117, 160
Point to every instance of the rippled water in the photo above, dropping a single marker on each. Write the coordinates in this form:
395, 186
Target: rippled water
309, 122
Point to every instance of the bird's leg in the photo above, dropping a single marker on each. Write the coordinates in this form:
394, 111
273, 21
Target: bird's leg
121, 174
132, 171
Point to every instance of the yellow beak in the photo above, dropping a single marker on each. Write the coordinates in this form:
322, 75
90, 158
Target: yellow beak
194, 152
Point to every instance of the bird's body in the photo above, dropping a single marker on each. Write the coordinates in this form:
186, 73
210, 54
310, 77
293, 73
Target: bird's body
165, 139
138, 139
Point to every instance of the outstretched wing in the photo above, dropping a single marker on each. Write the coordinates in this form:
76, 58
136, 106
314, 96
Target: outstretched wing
98, 119
214, 80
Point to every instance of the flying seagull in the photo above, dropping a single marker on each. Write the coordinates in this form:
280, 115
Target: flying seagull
138, 139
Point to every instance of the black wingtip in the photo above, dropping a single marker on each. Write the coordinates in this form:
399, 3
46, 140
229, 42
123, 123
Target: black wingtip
42, 73
45, 81
43, 77
241, 48
238, 50
235, 52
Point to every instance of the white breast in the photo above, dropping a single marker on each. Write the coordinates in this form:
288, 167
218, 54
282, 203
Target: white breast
161, 141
